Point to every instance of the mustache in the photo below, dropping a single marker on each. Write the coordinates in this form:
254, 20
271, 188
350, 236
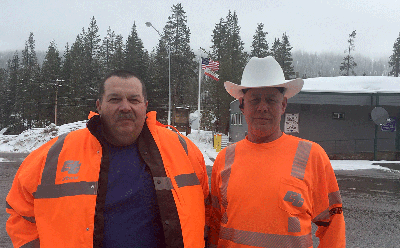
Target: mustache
125, 116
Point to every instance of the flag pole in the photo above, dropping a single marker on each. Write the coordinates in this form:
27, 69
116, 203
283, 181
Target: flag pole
198, 105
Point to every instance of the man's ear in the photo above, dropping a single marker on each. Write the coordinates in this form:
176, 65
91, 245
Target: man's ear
241, 103
284, 104
98, 105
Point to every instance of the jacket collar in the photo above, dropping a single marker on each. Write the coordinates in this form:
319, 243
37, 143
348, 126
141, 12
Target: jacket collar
95, 125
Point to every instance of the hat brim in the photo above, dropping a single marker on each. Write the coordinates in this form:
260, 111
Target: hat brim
292, 88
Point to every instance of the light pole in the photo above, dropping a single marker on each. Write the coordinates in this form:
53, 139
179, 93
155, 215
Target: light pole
148, 24
58, 81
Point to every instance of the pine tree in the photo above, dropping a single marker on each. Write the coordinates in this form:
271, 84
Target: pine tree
71, 107
158, 81
29, 88
118, 58
51, 82
76, 82
348, 63
183, 77
66, 66
228, 49
107, 50
66, 113
276, 50
85, 71
287, 60
11, 113
92, 69
260, 44
136, 58
3, 94
282, 52
394, 59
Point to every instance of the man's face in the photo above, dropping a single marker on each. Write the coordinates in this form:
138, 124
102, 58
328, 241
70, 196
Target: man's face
263, 109
122, 110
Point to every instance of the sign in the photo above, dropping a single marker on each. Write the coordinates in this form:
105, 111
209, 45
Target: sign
291, 123
217, 142
390, 126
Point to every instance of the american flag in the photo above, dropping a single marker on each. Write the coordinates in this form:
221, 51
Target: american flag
211, 74
209, 63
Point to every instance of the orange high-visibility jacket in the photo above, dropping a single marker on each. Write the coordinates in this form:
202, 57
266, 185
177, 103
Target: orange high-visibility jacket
267, 195
58, 194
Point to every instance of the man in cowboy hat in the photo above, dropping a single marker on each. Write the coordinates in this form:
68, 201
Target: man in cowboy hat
267, 189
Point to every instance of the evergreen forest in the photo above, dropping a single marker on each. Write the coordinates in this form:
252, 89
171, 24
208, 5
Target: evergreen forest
61, 85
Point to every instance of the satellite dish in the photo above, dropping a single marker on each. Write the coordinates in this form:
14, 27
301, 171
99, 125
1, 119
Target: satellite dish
380, 116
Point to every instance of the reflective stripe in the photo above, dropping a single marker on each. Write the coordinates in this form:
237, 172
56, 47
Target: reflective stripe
50, 166
30, 219
184, 180
224, 218
226, 173
300, 159
294, 224
162, 183
322, 223
335, 198
183, 143
215, 202
265, 239
66, 189
33, 244
48, 188
322, 216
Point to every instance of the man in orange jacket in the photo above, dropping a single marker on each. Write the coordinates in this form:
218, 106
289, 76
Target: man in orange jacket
267, 189
123, 181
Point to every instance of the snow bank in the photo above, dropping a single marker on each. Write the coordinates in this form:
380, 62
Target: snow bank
356, 165
32, 139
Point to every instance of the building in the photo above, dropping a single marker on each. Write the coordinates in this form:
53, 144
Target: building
336, 113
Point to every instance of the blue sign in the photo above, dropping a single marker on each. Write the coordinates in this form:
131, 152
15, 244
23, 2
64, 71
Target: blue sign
390, 126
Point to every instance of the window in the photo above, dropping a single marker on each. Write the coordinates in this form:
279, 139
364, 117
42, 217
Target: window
233, 120
239, 118
236, 119
337, 116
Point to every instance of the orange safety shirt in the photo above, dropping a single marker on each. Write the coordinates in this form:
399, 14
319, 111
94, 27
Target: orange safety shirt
58, 194
267, 195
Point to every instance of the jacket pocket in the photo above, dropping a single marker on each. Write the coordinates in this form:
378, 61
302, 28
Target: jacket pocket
293, 196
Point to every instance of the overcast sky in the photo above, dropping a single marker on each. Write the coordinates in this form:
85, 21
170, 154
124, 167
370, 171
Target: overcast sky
312, 25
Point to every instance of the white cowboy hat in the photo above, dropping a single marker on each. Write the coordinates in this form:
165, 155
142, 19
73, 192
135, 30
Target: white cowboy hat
263, 72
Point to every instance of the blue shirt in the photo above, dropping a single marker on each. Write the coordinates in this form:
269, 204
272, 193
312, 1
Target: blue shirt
131, 216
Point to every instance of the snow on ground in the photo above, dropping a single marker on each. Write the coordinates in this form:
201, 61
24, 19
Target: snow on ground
31, 139
356, 165
204, 141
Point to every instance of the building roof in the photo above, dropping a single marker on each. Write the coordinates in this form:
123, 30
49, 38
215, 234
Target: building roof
353, 84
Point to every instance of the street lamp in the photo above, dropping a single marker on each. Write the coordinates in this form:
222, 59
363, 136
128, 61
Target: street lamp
148, 24
57, 84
